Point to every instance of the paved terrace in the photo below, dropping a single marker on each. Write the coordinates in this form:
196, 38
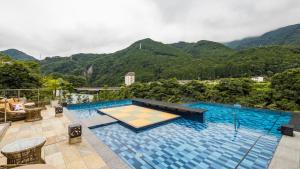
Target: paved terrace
57, 151
287, 154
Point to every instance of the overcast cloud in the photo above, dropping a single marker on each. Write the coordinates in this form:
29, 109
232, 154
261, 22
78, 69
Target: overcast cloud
65, 27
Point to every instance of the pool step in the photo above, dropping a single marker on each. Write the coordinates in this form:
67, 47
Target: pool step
98, 121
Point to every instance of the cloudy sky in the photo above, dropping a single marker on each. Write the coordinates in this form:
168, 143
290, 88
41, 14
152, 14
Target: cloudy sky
65, 27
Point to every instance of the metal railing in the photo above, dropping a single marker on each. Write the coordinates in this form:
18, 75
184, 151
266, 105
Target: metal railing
40, 96
35, 95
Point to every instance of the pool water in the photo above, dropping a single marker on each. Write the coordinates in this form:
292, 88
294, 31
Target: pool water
229, 138
84, 111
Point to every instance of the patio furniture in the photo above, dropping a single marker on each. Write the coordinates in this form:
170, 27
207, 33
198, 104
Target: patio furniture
29, 105
287, 130
58, 111
33, 114
7, 106
74, 131
13, 115
24, 151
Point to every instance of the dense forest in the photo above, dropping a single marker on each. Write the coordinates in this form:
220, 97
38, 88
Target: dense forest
281, 92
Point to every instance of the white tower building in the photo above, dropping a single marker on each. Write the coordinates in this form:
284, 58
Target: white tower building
129, 78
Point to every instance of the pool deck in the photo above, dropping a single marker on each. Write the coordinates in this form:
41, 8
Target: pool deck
287, 154
57, 151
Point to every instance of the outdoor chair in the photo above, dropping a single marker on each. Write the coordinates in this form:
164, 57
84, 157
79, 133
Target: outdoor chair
12, 115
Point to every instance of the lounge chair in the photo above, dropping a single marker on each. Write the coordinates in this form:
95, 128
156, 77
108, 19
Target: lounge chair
11, 115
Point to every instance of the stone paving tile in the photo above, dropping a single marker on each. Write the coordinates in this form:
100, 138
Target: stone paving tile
57, 151
287, 154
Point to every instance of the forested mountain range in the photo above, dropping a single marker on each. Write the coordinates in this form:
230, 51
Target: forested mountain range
18, 55
289, 35
155, 60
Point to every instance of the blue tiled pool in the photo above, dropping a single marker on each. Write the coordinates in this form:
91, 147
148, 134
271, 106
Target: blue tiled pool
218, 143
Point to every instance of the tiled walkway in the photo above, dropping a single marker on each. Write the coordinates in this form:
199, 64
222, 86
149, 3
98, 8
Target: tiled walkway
57, 151
287, 155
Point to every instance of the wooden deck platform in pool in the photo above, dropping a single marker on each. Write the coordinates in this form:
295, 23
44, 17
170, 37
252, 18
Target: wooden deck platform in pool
138, 117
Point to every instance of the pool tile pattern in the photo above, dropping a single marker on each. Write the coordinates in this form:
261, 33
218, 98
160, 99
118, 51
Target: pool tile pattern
137, 116
229, 138
188, 144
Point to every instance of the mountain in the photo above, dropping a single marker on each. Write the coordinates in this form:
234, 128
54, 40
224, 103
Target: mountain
18, 55
152, 60
204, 48
148, 58
289, 35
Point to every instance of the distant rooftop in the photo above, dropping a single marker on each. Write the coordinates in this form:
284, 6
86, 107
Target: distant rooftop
130, 74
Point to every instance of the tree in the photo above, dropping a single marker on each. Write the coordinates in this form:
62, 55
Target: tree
286, 89
56, 84
193, 90
16, 75
231, 90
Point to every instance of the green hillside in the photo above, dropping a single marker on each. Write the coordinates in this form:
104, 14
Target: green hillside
153, 60
289, 35
204, 48
18, 55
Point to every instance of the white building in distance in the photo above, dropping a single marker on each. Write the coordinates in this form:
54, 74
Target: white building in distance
129, 78
258, 79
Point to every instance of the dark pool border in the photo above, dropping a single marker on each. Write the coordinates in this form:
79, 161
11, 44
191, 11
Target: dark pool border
111, 159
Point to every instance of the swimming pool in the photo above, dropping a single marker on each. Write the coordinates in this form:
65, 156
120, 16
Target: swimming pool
229, 138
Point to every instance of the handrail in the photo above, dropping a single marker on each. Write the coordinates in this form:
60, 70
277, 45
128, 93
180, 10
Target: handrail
25, 89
